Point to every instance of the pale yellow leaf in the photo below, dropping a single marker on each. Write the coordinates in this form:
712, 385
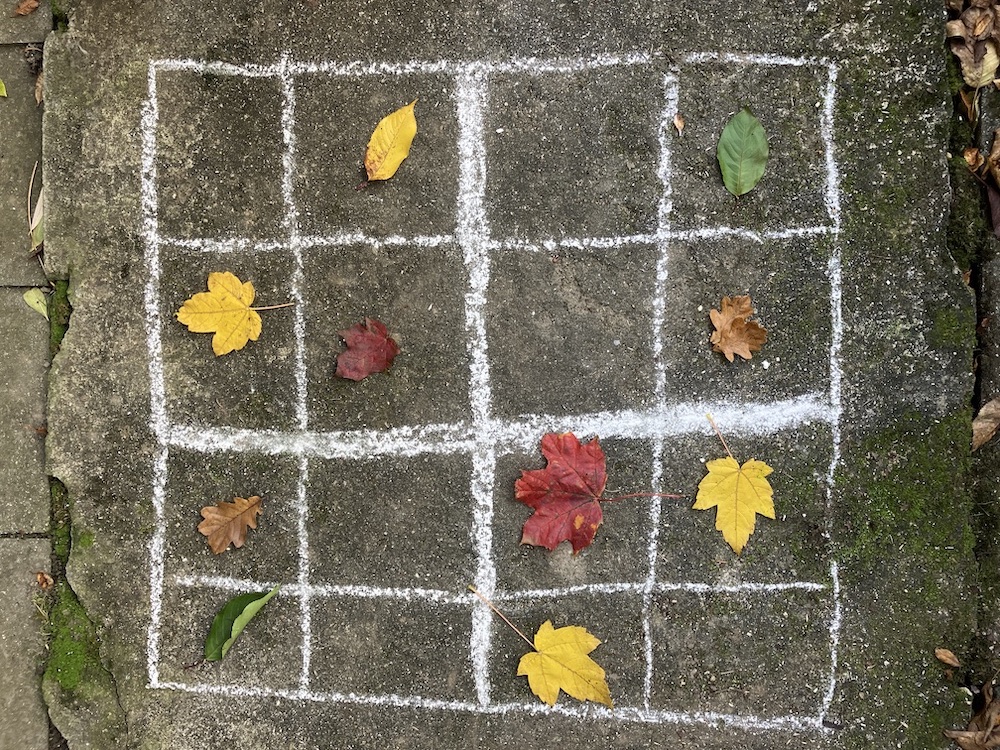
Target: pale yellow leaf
738, 493
560, 662
390, 143
35, 299
225, 311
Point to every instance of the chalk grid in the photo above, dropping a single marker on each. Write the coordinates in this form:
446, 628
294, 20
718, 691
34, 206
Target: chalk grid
485, 437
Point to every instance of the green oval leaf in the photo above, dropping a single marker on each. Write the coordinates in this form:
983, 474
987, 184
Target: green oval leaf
231, 619
742, 152
37, 301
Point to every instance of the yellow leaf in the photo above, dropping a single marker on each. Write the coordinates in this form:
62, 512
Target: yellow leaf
560, 662
225, 311
739, 493
390, 143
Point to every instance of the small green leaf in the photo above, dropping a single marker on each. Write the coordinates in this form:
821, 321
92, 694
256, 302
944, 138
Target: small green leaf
232, 618
35, 299
3, 89
742, 152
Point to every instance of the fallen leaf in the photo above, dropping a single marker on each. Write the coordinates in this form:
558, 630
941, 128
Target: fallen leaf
560, 661
565, 495
36, 300
945, 656
231, 620
227, 522
679, 123
970, 103
26, 7
983, 730
738, 493
734, 334
3, 88
974, 158
993, 198
370, 349
390, 143
225, 311
973, 40
36, 227
40, 89
985, 425
742, 152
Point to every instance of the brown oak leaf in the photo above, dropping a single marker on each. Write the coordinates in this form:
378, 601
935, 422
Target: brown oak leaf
734, 334
370, 349
227, 522
26, 7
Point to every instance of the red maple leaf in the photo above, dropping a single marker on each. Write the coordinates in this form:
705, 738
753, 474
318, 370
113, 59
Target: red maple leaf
565, 495
370, 349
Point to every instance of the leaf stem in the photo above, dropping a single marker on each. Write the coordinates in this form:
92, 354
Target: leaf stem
716, 428
273, 307
502, 616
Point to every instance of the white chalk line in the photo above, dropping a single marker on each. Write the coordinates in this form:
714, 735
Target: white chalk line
482, 448
620, 714
465, 599
522, 434
750, 58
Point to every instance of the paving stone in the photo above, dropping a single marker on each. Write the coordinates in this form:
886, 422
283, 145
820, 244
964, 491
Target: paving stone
548, 257
24, 340
32, 28
20, 152
23, 719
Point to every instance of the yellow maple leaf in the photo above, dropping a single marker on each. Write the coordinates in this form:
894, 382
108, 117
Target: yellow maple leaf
390, 143
739, 493
225, 311
560, 662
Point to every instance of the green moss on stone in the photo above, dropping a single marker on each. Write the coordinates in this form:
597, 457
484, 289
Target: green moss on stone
73, 651
83, 539
60, 524
59, 313
951, 330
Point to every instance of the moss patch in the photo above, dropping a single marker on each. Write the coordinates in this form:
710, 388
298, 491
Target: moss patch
59, 312
73, 651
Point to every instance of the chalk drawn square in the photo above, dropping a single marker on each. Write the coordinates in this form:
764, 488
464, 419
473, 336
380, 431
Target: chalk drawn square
250, 388
789, 102
204, 188
391, 646
793, 547
617, 553
267, 655
576, 338
614, 619
196, 479
335, 116
391, 522
574, 154
429, 378
789, 286
758, 653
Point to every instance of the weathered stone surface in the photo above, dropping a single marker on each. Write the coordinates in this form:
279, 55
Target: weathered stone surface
32, 28
24, 350
23, 721
548, 257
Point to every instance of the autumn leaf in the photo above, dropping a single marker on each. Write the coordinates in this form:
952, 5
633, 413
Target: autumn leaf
946, 656
370, 349
231, 620
26, 7
227, 522
985, 425
225, 311
734, 334
559, 661
390, 143
565, 495
742, 152
739, 493
983, 730
37, 301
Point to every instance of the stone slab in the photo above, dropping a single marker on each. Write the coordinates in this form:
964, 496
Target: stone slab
548, 257
24, 354
23, 718
20, 151
29, 29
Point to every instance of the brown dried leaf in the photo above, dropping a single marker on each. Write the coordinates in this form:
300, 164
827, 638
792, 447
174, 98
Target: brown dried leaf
679, 123
734, 334
947, 657
227, 523
974, 158
985, 425
40, 88
26, 7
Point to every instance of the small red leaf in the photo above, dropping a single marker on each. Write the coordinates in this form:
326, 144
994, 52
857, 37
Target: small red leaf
369, 349
565, 495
